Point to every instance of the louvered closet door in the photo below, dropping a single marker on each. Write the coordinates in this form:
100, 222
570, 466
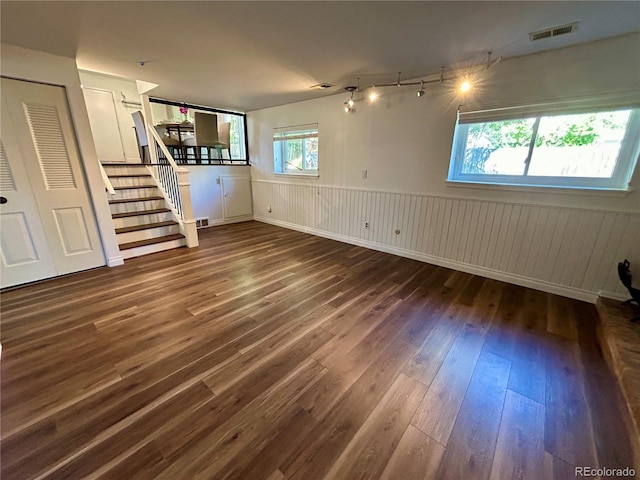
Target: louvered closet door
23, 245
45, 137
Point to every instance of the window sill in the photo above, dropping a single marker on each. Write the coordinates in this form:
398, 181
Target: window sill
508, 187
295, 175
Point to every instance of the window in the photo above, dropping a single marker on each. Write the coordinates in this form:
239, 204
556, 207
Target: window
295, 150
167, 111
547, 147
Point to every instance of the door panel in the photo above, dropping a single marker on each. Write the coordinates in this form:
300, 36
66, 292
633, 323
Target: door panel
24, 250
72, 230
50, 149
104, 125
236, 192
46, 140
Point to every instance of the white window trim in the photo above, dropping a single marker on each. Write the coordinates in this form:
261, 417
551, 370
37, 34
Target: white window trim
313, 173
619, 181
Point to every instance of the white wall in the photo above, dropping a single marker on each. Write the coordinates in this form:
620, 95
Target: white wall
563, 241
25, 64
116, 86
206, 191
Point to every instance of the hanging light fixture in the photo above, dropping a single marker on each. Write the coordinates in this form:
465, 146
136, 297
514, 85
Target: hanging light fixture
348, 105
420, 92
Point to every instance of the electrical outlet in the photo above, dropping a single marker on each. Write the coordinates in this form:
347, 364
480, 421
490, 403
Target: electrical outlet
366, 225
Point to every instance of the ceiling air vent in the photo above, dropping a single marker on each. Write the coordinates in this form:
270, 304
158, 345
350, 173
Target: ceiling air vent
321, 86
553, 32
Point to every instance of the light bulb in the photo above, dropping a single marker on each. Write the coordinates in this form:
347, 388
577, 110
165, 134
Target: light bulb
347, 109
420, 93
373, 95
465, 86
350, 102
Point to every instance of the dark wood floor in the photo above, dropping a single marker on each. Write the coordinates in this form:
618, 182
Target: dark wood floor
268, 353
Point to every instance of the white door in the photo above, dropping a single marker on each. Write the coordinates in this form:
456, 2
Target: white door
39, 139
23, 244
236, 192
104, 124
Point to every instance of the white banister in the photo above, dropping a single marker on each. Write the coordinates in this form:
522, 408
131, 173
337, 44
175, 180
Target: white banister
172, 179
105, 179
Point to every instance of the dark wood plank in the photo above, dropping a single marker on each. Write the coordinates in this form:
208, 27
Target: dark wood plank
416, 457
520, 447
438, 410
368, 452
471, 445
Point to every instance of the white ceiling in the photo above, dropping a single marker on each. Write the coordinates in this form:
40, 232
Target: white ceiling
251, 55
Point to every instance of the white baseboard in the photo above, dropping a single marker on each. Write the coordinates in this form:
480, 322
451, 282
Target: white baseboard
222, 221
614, 295
115, 261
562, 290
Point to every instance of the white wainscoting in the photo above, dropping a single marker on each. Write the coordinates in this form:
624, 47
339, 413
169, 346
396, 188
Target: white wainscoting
567, 251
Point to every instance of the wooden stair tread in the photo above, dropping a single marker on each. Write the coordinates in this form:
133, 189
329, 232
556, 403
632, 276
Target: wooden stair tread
133, 187
116, 164
129, 176
145, 226
151, 241
133, 200
140, 212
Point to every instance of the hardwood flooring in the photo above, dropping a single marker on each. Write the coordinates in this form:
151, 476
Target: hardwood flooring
271, 354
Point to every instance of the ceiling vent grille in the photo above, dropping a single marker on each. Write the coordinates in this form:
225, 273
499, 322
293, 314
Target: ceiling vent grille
553, 32
321, 86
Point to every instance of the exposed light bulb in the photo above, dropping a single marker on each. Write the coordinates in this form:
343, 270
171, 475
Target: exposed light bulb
465, 86
350, 102
420, 92
347, 109
373, 95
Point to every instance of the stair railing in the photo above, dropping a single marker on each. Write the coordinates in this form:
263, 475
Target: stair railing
173, 182
106, 181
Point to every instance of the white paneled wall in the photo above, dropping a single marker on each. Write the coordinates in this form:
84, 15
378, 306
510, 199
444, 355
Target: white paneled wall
564, 250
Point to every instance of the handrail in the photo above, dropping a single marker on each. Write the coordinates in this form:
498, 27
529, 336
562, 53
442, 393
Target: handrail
105, 179
165, 150
172, 180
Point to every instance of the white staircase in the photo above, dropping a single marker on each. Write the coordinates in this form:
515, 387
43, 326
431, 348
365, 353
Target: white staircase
142, 218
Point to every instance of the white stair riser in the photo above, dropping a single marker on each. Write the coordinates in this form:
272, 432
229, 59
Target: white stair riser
125, 170
136, 193
141, 219
156, 247
147, 234
136, 206
130, 181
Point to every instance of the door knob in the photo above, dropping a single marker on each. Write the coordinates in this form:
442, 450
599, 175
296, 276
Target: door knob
3, 200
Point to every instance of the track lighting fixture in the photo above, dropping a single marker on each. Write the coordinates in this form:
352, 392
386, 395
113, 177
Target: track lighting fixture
348, 105
463, 87
373, 95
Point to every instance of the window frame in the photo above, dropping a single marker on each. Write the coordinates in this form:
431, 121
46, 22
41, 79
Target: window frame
297, 132
203, 108
625, 163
